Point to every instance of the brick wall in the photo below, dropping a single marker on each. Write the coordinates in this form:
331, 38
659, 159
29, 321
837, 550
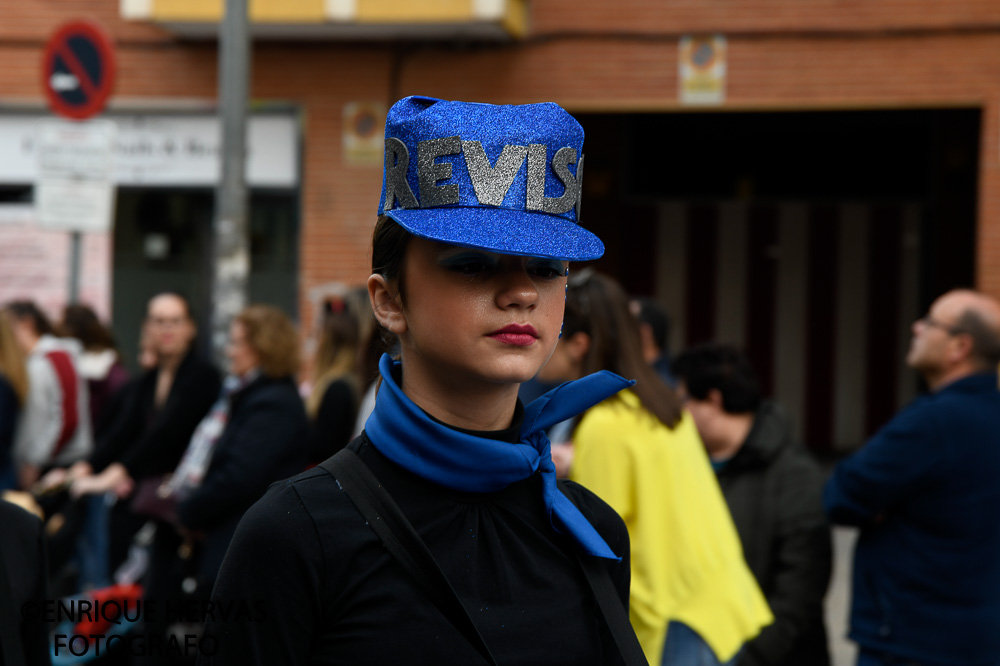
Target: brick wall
586, 54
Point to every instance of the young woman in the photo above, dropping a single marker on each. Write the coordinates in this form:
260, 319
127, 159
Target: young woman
54, 427
333, 402
470, 277
100, 363
640, 451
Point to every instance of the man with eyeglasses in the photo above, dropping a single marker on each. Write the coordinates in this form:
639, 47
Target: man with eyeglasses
925, 491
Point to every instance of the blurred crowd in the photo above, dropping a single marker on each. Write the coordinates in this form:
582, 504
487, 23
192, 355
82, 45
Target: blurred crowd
141, 477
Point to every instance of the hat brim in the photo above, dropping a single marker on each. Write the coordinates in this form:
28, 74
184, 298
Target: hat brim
502, 230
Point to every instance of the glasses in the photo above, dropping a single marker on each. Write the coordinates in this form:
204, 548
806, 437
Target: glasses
930, 322
164, 322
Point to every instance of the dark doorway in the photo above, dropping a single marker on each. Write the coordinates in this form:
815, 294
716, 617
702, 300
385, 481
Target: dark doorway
798, 184
162, 242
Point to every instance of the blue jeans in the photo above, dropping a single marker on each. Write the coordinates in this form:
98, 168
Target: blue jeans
869, 658
93, 542
684, 647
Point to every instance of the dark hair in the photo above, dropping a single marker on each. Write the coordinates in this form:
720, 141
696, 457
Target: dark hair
985, 341
389, 243
81, 322
723, 368
181, 297
28, 310
652, 313
597, 305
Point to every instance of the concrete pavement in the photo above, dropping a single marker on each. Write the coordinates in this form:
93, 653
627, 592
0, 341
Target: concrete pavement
838, 598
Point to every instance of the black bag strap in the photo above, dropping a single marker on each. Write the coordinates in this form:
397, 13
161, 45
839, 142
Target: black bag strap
402, 541
612, 609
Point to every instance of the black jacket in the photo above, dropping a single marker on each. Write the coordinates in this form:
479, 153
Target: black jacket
24, 631
150, 442
265, 440
331, 429
773, 489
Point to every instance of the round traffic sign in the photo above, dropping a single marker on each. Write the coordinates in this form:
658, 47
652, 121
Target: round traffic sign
78, 69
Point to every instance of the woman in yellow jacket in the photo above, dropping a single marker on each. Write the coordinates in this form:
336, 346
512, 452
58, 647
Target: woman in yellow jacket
640, 452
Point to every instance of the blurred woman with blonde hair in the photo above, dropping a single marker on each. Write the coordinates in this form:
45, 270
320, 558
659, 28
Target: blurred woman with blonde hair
13, 392
336, 392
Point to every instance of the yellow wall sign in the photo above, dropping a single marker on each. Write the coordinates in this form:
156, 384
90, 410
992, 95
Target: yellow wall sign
364, 131
702, 65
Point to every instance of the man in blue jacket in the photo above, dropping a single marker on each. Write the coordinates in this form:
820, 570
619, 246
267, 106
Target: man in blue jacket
925, 491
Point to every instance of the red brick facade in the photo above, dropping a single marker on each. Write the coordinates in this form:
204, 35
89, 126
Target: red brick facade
589, 55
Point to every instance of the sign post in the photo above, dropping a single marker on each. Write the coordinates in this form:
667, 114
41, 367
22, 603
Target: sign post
231, 251
74, 190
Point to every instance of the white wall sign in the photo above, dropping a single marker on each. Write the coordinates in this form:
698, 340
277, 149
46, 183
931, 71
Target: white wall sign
165, 150
74, 191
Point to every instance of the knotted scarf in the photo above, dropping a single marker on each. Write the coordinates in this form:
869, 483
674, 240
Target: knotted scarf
403, 433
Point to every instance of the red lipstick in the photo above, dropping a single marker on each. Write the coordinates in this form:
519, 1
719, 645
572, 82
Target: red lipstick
516, 334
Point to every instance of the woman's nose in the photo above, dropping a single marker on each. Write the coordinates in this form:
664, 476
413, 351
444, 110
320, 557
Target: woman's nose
517, 289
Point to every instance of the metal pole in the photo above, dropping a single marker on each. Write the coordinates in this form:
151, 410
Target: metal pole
74, 266
231, 247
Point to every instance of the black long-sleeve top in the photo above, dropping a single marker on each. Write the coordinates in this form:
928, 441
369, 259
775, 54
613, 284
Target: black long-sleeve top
264, 440
150, 441
331, 428
24, 637
323, 589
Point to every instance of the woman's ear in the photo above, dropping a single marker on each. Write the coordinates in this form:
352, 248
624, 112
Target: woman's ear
715, 397
386, 304
578, 346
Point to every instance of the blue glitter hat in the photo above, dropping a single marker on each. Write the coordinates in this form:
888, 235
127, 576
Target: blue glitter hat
500, 178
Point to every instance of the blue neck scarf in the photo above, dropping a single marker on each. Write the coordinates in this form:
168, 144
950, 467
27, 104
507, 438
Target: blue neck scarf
404, 434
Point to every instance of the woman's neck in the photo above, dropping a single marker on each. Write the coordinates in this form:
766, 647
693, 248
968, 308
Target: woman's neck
480, 407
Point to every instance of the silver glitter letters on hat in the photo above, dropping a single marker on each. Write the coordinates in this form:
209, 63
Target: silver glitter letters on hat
558, 205
430, 172
397, 162
491, 183
536, 176
579, 186
504, 178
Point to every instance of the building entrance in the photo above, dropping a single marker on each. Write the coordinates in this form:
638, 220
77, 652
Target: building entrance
810, 239
163, 241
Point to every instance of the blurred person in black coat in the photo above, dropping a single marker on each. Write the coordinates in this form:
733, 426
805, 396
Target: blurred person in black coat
24, 635
254, 434
13, 394
773, 489
333, 402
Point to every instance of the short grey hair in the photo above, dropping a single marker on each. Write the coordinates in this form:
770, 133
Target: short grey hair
985, 338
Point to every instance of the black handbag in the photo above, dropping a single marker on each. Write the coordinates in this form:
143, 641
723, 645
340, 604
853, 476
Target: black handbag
402, 541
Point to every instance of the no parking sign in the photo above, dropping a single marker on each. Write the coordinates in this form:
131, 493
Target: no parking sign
78, 70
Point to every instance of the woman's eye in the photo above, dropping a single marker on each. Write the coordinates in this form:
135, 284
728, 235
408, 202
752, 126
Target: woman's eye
469, 264
547, 270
